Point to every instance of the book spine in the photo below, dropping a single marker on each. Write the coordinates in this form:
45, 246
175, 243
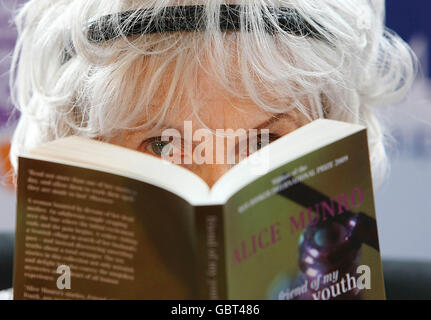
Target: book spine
212, 281
19, 249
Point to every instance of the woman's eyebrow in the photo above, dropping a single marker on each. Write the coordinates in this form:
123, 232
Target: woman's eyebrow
273, 120
146, 133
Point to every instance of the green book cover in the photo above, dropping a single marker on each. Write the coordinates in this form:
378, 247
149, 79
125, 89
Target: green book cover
303, 230
306, 229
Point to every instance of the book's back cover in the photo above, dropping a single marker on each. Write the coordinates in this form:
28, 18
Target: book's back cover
307, 230
85, 234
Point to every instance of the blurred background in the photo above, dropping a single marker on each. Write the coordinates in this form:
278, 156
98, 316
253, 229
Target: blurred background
403, 202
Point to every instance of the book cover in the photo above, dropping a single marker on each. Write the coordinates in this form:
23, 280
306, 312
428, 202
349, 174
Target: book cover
303, 230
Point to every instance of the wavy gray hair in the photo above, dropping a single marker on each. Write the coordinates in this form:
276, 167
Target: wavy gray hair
360, 66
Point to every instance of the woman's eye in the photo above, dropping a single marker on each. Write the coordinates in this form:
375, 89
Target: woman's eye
262, 141
260, 144
253, 144
157, 147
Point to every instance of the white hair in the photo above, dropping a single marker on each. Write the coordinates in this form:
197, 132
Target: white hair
356, 66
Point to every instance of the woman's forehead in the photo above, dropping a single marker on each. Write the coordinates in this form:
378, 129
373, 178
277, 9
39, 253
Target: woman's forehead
216, 113
209, 104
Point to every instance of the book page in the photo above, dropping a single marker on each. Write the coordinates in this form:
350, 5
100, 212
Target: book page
106, 157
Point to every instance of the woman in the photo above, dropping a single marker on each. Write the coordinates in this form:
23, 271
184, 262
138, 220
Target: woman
123, 71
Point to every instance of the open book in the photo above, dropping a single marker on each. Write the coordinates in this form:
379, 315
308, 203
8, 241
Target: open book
295, 220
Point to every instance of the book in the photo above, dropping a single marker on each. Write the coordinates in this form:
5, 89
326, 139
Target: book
99, 221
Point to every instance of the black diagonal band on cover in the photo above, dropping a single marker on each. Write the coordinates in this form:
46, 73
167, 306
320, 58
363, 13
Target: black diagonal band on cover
308, 197
192, 18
